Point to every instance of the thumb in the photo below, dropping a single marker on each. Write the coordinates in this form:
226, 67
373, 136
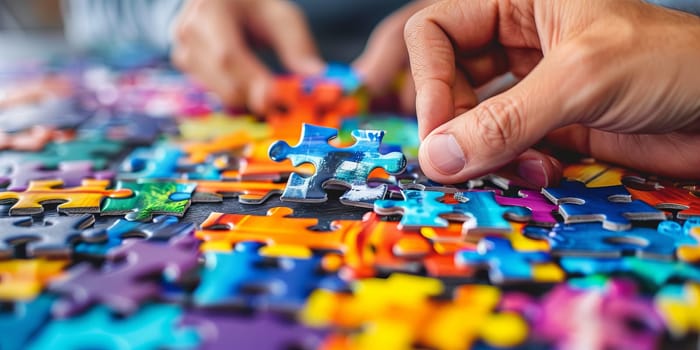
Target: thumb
498, 130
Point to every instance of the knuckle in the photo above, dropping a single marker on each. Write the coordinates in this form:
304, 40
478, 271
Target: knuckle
498, 123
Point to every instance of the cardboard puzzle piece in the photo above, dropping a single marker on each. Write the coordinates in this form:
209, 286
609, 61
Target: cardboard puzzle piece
341, 166
53, 237
246, 278
85, 198
654, 272
540, 207
72, 173
679, 306
507, 265
163, 228
612, 205
150, 197
34, 139
221, 330
234, 143
23, 320
485, 214
315, 102
24, 279
664, 196
591, 239
155, 326
248, 192
418, 209
124, 285
276, 228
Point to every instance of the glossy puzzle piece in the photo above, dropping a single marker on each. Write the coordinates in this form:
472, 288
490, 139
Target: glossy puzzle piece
612, 205
24, 279
221, 330
52, 237
23, 320
507, 265
342, 166
123, 286
540, 207
20, 174
248, 192
485, 214
150, 198
591, 239
664, 197
163, 228
246, 278
85, 198
276, 228
155, 326
418, 209
680, 308
34, 139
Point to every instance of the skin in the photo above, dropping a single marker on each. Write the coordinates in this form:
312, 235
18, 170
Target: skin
613, 79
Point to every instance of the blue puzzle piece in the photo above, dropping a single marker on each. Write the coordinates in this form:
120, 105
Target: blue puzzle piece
348, 166
505, 264
654, 271
419, 209
612, 205
591, 239
23, 321
245, 278
485, 214
162, 228
153, 327
151, 163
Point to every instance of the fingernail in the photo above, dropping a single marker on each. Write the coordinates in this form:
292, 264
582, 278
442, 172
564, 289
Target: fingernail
445, 154
532, 171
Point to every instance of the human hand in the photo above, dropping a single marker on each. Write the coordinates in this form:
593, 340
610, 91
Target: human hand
211, 45
614, 79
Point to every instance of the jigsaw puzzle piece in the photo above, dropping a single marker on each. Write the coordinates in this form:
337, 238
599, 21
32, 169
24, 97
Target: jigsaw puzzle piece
340, 166
679, 306
163, 228
365, 195
591, 239
122, 284
71, 174
540, 207
22, 321
418, 209
248, 192
484, 214
221, 330
664, 196
155, 326
53, 237
24, 279
150, 197
506, 265
85, 198
159, 162
612, 205
246, 278
594, 174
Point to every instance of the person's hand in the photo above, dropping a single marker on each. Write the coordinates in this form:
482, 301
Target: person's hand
614, 79
212, 45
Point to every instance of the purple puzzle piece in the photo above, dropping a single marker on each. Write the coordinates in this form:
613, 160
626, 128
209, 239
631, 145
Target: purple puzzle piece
539, 205
123, 286
71, 173
222, 330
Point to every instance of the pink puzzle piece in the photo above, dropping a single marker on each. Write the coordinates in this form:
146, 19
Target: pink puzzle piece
540, 206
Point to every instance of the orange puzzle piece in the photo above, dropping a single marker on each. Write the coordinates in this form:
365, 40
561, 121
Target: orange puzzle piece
664, 196
85, 198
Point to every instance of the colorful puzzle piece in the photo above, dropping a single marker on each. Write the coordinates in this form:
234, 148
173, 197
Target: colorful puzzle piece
85, 198
24, 279
52, 237
418, 209
70, 173
161, 162
485, 214
343, 166
123, 286
594, 173
665, 197
680, 308
150, 198
539, 206
155, 326
611, 205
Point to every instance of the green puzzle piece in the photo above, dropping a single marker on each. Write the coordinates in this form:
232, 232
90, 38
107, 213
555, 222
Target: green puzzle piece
97, 150
151, 197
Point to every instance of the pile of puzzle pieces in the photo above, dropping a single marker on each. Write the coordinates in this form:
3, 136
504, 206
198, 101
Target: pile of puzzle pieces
136, 213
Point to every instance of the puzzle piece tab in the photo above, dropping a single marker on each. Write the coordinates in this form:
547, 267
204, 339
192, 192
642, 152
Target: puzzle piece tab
150, 197
343, 166
612, 205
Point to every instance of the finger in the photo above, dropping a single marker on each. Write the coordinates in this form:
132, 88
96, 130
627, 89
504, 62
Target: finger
407, 94
501, 128
284, 27
532, 169
484, 67
429, 38
644, 152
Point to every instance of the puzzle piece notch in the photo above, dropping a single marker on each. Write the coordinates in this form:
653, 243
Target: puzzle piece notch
122, 283
150, 197
85, 198
342, 166
53, 238
612, 205
71, 173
